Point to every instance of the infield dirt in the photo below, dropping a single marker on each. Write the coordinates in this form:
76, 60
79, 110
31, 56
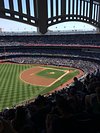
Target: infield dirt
29, 76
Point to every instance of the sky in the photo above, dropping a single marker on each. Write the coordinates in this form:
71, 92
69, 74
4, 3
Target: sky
9, 25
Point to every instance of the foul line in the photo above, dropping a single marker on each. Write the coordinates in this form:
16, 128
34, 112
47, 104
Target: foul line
59, 78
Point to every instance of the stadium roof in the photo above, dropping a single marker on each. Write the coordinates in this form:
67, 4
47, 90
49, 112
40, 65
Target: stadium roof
44, 13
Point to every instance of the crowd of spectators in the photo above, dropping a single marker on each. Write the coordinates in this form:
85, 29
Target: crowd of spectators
78, 39
84, 53
9, 43
86, 66
51, 50
74, 108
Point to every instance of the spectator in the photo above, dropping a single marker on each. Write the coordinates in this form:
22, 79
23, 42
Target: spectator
5, 127
78, 85
22, 118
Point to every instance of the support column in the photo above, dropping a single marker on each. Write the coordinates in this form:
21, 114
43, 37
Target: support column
63, 9
11, 8
77, 8
42, 15
2, 8
20, 9
28, 9
80, 7
69, 9
91, 10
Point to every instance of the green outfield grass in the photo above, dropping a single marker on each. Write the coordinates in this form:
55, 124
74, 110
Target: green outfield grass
14, 91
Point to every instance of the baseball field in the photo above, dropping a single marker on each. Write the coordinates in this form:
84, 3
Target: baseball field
19, 83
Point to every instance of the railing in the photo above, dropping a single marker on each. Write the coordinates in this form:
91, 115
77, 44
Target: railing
44, 13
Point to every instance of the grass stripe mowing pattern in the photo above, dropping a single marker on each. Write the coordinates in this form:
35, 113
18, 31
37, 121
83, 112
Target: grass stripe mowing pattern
14, 91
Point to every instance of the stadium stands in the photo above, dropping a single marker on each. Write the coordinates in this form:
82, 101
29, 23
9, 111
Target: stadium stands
71, 108
60, 111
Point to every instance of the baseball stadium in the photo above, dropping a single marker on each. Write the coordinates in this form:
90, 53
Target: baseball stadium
50, 81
